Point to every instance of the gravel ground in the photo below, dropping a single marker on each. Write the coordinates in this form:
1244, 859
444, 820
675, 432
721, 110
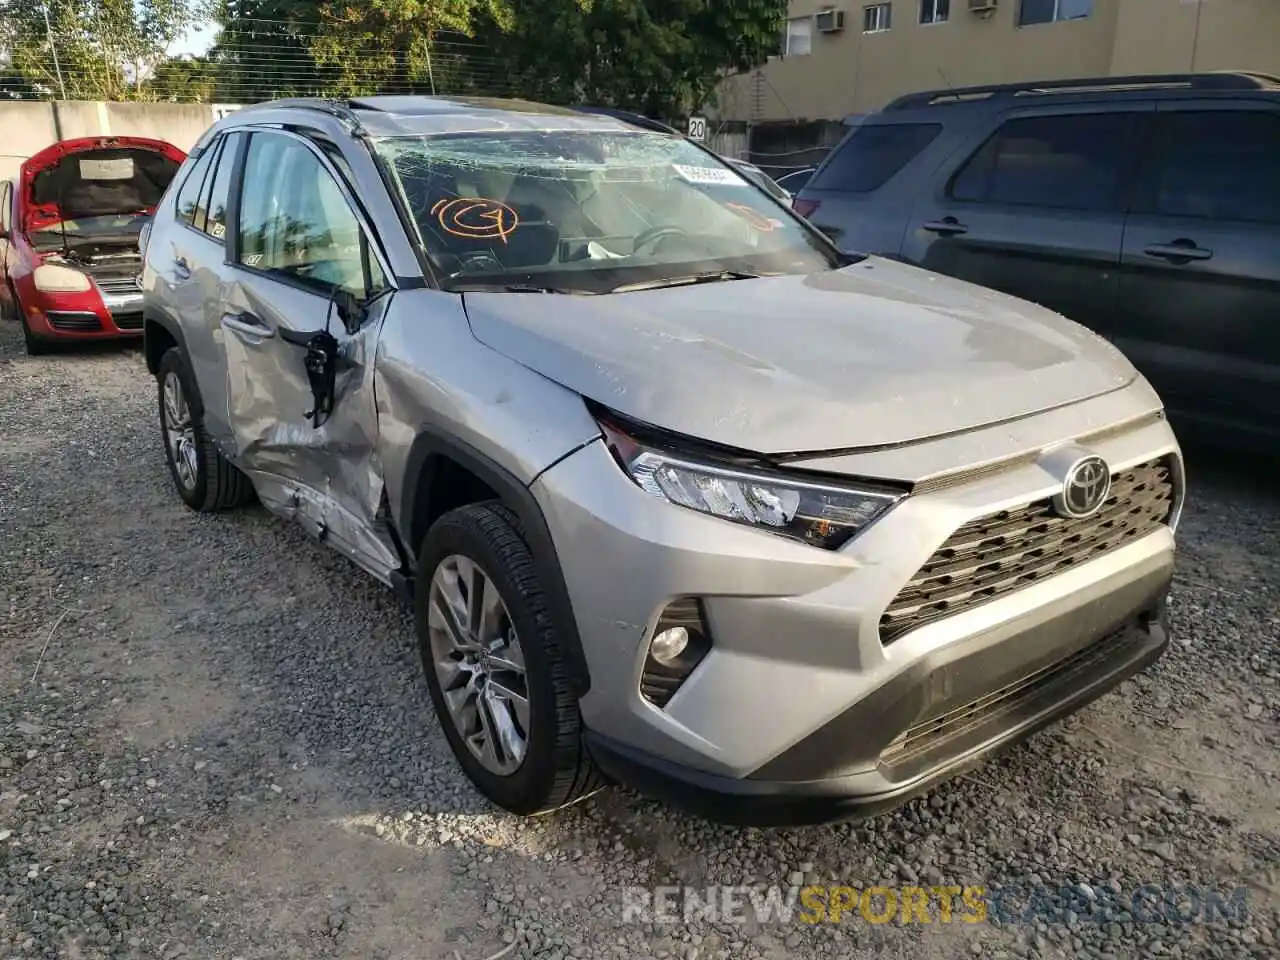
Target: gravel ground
215, 742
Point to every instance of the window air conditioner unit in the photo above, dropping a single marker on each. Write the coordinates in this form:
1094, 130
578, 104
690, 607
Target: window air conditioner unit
829, 21
982, 6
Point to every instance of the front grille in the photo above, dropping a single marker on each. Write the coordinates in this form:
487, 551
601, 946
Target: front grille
126, 284
928, 735
1002, 552
128, 321
68, 320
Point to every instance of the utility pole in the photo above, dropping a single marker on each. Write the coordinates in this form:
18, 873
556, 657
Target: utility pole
53, 47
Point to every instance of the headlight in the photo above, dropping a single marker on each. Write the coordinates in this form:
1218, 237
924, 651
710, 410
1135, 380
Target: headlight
51, 278
816, 513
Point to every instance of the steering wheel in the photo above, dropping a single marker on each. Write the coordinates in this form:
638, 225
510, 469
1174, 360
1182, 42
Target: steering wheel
655, 235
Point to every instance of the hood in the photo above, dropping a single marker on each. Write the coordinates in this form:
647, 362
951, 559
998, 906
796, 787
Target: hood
874, 354
96, 177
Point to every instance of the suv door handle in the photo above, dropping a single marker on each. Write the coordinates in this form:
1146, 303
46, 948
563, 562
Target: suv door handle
247, 324
946, 227
181, 269
1181, 249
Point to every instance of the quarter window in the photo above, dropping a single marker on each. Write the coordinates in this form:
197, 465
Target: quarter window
935, 11
1047, 11
872, 154
876, 18
296, 224
193, 187
1219, 165
1064, 162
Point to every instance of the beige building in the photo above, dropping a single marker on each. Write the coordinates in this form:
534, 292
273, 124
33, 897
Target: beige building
843, 57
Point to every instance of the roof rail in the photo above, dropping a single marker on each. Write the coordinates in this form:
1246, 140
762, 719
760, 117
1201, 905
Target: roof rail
1224, 80
341, 109
628, 116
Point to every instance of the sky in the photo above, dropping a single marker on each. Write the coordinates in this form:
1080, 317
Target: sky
197, 41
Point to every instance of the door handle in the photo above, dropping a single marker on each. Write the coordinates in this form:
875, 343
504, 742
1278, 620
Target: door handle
1181, 249
181, 269
247, 324
946, 227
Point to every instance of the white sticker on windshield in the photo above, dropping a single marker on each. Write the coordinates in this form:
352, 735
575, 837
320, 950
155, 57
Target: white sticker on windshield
120, 168
712, 175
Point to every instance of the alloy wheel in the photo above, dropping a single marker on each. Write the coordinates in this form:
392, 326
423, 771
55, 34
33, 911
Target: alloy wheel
180, 432
479, 663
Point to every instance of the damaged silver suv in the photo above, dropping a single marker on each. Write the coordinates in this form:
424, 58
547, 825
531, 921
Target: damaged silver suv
682, 495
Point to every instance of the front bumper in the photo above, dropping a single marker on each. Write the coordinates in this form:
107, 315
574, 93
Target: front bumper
85, 316
948, 741
800, 708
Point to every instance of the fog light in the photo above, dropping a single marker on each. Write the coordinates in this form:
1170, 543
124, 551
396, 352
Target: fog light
669, 644
680, 641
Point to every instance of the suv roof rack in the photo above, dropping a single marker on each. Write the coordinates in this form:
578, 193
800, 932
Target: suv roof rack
1225, 80
628, 116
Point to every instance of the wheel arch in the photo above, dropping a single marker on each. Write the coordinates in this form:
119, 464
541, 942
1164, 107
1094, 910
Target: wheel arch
433, 464
160, 332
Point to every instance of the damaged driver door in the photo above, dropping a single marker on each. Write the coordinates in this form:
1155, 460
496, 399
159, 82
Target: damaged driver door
300, 320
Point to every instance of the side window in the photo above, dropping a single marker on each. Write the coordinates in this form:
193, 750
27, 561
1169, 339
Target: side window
220, 188
296, 224
1219, 165
1061, 162
193, 185
873, 154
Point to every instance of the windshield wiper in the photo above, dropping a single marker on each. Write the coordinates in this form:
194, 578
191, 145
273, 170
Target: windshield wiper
507, 288
714, 276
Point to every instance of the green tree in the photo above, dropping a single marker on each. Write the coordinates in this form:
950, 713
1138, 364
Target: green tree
659, 57
94, 49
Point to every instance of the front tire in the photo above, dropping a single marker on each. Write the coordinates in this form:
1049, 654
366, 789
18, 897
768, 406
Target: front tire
205, 480
494, 665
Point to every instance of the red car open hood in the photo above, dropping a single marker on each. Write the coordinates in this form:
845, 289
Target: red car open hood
95, 177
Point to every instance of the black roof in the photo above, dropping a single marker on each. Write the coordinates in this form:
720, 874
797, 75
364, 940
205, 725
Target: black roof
1171, 84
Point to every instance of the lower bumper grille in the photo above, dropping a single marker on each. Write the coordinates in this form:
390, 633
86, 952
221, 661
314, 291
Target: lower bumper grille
127, 321
955, 725
73, 321
1002, 552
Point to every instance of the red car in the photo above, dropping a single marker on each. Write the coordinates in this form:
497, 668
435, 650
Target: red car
69, 229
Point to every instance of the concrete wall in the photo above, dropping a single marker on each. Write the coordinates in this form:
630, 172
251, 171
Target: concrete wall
852, 72
27, 127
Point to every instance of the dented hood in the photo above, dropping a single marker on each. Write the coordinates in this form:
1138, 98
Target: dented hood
873, 354
96, 177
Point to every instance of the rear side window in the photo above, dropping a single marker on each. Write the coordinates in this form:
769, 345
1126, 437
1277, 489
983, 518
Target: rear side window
193, 186
1219, 165
216, 222
1063, 162
873, 154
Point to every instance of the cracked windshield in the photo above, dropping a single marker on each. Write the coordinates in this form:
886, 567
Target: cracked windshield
590, 212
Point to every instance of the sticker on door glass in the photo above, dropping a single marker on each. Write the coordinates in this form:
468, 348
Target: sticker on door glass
709, 175
217, 230
117, 168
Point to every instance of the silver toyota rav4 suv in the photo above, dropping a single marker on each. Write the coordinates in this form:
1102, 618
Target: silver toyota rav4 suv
682, 495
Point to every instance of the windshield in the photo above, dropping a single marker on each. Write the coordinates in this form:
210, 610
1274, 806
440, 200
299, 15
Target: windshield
590, 212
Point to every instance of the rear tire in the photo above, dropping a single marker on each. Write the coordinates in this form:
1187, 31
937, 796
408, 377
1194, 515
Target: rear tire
205, 480
553, 769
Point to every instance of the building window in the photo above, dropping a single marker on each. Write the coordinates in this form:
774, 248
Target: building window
1047, 11
797, 39
875, 18
935, 11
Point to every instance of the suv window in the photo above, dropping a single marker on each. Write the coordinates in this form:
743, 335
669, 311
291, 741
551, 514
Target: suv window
296, 224
1062, 162
215, 204
872, 154
193, 186
1217, 164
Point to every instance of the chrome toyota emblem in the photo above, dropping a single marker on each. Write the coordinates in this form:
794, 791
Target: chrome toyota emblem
1084, 489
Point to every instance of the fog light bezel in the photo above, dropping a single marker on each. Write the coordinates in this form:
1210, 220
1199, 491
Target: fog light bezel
659, 681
